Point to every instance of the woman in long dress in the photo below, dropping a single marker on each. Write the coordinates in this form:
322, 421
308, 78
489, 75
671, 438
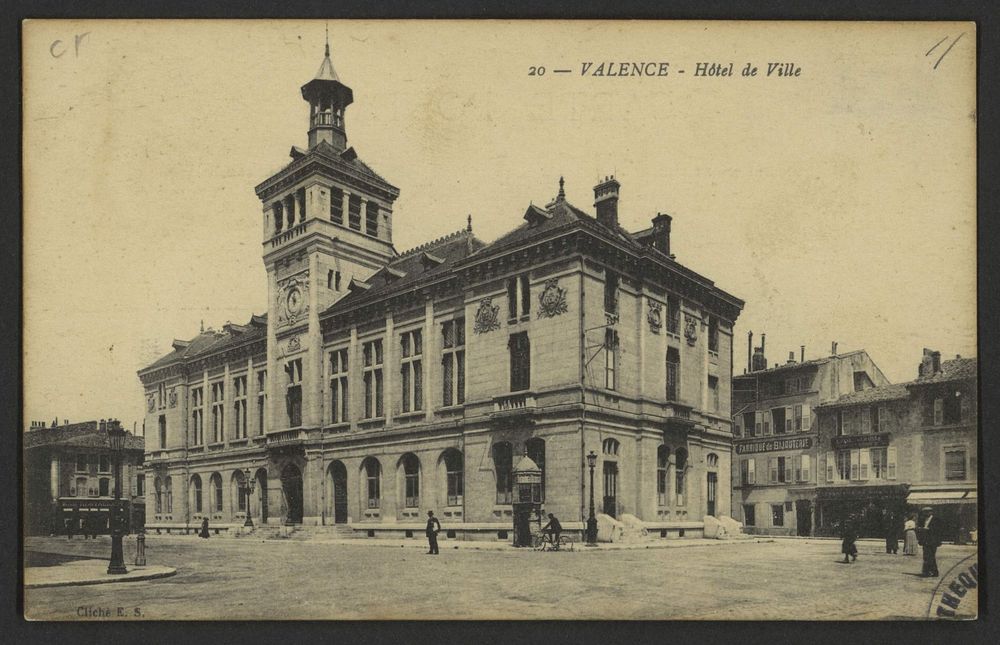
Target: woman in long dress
910, 536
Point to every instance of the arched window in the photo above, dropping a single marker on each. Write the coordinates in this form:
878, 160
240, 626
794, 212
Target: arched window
503, 466
168, 501
712, 460
662, 464
196, 504
454, 475
373, 484
238, 491
536, 452
680, 465
158, 493
411, 480
610, 447
216, 484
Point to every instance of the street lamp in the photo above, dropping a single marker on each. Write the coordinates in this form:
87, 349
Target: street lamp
248, 487
592, 520
116, 439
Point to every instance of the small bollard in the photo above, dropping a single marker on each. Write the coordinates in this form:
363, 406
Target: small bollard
140, 549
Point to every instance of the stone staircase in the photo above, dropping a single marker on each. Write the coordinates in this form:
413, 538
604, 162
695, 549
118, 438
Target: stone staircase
297, 532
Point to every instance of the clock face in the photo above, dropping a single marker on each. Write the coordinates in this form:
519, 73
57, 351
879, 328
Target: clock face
294, 301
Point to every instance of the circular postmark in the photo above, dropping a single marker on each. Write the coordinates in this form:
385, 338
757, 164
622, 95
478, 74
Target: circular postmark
956, 596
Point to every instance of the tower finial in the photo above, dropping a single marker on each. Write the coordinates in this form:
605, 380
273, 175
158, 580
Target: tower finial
562, 193
203, 325
328, 39
468, 227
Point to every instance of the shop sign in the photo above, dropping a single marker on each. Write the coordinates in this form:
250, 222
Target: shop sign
860, 441
861, 492
773, 445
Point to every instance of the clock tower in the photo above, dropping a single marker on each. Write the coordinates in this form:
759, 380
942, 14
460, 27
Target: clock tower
326, 223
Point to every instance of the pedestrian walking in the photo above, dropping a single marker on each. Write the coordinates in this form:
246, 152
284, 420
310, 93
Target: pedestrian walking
203, 533
891, 533
930, 537
910, 535
433, 528
71, 526
849, 536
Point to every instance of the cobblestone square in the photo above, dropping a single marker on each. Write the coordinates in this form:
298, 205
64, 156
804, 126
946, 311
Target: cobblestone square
797, 579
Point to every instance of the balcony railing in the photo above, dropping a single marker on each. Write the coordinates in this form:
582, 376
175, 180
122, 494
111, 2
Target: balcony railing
292, 233
514, 402
285, 436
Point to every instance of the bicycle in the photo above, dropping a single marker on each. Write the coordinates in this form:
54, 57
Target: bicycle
544, 542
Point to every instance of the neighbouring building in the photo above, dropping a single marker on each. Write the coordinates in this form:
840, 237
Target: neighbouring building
380, 384
69, 478
776, 441
892, 450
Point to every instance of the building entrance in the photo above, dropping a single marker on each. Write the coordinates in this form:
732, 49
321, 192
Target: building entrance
262, 493
291, 485
338, 484
803, 517
713, 484
611, 488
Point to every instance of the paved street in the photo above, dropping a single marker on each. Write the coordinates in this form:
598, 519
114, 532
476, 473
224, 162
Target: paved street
242, 579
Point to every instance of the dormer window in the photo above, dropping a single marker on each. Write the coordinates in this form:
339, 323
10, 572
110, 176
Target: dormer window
429, 260
535, 216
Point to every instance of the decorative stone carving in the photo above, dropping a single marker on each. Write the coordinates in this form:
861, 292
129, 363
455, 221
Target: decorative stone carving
292, 303
655, 316
172, 398
150, 403
690, 329
487, 317
552, 299
294, 344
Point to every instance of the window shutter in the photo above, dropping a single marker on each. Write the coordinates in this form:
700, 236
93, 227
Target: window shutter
772, 466
891, 462
766, 415
805, 468
865, 461
752, 468
965, 408
883, 418
828, 463
865, 421
789, 469
788, 419
758, 418
855, 464
938, 411
738, 424
806, 419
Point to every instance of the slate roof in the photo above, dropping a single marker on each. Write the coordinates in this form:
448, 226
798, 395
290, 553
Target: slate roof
85, 434
958, 369
210, 341
792, 366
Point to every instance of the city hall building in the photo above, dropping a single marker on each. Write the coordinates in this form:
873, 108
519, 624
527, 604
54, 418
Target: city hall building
380, 385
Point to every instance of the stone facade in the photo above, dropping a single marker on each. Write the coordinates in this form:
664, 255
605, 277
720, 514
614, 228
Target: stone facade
381, 385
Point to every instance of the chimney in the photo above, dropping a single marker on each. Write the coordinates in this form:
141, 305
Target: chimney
936, 362
791, 358
833, 348
930, 363
102, 425
763, 337
750, 352
802, 353
606, 202
661, 233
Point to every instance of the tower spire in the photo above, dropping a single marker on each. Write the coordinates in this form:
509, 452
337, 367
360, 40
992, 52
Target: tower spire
327, 40
328, 98
562, 192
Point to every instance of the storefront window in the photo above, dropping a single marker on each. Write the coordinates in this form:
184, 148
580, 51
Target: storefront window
777, 514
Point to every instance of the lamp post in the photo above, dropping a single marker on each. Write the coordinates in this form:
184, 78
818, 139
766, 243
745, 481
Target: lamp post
592, 519
116, 439
248, 487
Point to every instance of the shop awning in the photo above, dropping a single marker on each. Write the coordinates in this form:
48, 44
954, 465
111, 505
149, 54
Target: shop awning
931, 497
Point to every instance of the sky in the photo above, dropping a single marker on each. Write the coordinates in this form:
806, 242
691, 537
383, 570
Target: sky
839, 204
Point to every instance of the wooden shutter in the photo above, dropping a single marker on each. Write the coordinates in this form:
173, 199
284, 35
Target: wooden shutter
738, 425
866, 425
788, 418
772, 467
938, 411
758, 418
830, 465
883, 418
806, 418
891, 462
805, 468
789, 469
752, 470
855, 464
865, 463
768, 420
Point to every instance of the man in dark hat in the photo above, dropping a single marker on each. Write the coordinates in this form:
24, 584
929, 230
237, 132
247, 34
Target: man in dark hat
433, 528
929, 536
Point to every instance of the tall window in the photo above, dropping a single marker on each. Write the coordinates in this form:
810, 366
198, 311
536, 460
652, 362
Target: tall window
411, 480
104, 487
520, 361
216, 483
610, 359
168, 495
713, 392
158, 494
797, 413
162, 422
610, 292
372, 374
749, 516
750, 423
140, 485
240, 406
680, 468
503, 466
713, 334
536, 452
373, 485
336, 205
161, 395
103, 463
293, 392
338, 386
410, 368
673, 374
662, 465
748, 471
218, 411
196, 494
453, 361
673, 315
354, 212
198, 416
841, 425
518, 296
371, 218
261, 399
843, 464
954, 464
777, 514
81, 462
879, 461
454, 476
877, 418
778, 417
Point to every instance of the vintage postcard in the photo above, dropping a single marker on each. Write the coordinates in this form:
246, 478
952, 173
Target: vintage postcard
499, 319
